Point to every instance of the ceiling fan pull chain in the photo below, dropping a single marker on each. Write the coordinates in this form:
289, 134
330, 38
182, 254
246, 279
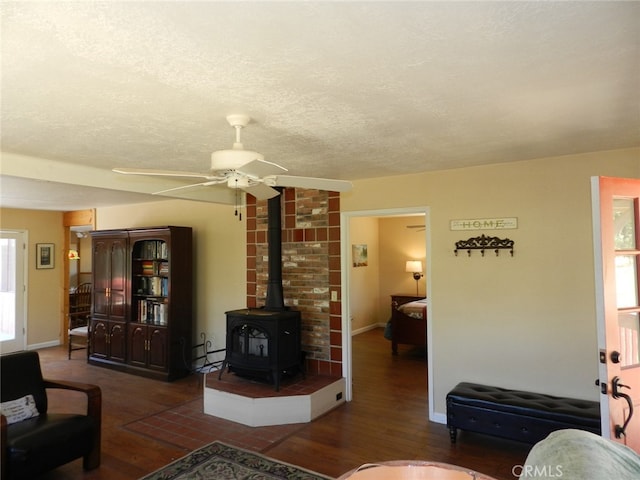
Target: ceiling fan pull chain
236, 202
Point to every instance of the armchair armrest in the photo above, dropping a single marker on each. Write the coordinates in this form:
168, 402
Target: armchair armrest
93, 393
94, 410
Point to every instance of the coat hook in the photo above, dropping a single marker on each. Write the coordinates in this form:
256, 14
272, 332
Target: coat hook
482, 242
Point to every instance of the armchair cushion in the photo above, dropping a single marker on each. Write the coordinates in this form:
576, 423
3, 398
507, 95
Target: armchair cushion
19, 409
45, 442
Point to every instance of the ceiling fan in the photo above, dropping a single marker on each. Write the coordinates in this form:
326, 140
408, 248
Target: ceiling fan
245, 170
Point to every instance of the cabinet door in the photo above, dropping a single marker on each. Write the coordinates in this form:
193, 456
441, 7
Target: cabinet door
110, 278
158, 348
118, 279
101, 277
99, 339
137, 345
117, 344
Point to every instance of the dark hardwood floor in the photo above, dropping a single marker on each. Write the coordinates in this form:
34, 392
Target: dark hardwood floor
387, 420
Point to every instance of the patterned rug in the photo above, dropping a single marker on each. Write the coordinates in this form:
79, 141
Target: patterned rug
219, 461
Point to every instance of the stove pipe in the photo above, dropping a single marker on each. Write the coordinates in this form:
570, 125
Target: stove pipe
275, 297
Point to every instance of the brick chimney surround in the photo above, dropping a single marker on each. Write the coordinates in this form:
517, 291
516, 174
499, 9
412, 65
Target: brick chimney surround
310, 270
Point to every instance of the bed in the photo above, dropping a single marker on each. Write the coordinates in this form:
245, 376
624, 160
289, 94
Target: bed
408, 321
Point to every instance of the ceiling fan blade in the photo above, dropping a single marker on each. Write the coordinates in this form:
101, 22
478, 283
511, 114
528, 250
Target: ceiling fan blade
164, 173
261, 191
308, 182
260, 168
182, 187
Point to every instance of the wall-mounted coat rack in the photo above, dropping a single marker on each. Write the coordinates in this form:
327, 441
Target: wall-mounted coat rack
483, 243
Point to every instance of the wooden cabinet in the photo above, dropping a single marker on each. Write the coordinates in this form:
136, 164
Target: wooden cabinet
142, 309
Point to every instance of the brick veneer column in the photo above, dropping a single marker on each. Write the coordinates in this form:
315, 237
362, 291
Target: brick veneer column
310, 269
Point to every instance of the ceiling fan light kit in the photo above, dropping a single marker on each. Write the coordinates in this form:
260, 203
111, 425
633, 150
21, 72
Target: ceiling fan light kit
244, 169
230, 159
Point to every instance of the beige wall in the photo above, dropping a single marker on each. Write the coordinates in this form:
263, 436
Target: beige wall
398, 243
85, 263
80, 270
523, 322
364, 284
44, 287
219, 249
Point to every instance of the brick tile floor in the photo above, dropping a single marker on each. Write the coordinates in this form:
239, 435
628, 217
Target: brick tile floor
187, 425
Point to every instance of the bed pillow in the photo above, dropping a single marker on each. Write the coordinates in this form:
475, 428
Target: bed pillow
19, 409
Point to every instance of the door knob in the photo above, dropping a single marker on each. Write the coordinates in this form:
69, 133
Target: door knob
615, 357
615, 386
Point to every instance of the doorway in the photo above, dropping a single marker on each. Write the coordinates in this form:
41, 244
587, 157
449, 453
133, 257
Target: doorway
346, 246
13, 295
77, 270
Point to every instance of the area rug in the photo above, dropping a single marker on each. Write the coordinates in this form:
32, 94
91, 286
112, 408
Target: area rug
219, 461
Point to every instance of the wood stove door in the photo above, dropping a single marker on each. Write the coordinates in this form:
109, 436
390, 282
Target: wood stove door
249, 347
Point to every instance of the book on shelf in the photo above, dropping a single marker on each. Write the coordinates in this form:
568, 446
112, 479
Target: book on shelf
155, 286
148, 267
153, 250
143, 285
152, 312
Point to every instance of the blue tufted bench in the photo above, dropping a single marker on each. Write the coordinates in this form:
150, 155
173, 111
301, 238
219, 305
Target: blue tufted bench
516, 415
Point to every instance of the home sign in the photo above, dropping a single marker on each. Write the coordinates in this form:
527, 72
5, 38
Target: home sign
502, 223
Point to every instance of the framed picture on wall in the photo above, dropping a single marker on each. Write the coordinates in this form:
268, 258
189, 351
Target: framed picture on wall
359, 254
45, 255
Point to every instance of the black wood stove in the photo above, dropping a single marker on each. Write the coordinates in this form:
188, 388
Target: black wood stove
265, 342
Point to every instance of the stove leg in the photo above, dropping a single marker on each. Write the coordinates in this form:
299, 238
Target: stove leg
224, 365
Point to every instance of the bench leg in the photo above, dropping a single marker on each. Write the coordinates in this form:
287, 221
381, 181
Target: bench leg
453, 433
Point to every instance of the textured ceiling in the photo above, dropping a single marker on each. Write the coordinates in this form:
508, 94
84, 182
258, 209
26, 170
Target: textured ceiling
345, 90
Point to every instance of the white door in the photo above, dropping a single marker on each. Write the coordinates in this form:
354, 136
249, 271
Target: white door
616, 219
12, 290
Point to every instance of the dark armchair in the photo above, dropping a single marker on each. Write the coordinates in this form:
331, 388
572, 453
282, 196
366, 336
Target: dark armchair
47, 440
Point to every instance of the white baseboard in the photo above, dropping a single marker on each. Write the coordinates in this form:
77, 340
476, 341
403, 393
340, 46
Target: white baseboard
439, 417
367, 328
37, 346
